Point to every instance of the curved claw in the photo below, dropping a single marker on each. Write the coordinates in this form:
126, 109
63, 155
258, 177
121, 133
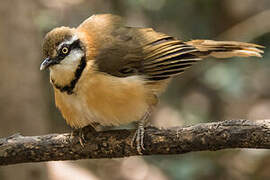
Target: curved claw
138, 139
81, 138
139, 134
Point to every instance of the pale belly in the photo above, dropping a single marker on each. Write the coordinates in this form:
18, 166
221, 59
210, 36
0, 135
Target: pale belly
108, 101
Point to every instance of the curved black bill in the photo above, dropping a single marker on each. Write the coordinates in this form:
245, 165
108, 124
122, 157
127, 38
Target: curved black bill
46, 63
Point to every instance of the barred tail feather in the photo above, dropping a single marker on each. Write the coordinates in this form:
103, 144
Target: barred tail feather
226, 49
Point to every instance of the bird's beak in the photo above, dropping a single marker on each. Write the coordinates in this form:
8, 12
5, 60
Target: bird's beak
46, 63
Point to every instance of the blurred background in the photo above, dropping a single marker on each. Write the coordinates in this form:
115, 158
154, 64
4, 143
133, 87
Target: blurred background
213, 90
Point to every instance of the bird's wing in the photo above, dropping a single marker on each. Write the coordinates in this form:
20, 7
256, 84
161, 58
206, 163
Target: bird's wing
140, 51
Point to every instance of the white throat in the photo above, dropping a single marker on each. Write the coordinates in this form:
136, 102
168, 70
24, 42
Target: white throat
64, 72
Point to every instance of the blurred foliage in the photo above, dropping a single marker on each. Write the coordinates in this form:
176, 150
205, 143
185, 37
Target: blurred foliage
211, 91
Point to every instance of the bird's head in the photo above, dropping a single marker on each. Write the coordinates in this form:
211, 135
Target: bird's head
63, 53
62, 48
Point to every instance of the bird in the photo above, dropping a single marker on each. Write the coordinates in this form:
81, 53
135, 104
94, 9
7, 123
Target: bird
105, 72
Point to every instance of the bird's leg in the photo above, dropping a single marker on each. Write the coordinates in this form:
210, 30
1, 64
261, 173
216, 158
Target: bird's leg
72, 134
139, 134
81, 133
81, 137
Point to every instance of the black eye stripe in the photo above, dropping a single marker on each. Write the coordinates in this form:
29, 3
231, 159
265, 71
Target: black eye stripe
74, 45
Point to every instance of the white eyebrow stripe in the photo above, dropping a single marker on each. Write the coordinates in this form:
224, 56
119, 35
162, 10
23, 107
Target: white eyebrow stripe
72, 40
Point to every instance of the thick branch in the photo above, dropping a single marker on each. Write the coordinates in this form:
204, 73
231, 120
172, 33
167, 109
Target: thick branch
117, 143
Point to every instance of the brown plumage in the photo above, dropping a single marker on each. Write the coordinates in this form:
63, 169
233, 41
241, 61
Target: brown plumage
105, 72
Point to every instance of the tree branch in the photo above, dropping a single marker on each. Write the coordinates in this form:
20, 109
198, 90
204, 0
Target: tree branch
117, 143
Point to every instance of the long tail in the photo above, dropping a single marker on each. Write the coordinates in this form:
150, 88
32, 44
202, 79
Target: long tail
226, 49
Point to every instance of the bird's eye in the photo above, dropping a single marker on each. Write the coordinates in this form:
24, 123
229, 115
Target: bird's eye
64, 50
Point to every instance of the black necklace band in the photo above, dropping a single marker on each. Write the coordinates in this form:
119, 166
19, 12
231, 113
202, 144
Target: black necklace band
69, 88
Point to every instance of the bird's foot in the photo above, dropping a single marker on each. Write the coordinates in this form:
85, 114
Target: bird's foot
139, 134
138, 139
80, 135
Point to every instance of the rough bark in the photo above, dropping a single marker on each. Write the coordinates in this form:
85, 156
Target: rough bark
117, 143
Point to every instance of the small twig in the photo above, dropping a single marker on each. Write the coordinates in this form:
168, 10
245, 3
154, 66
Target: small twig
117, 143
